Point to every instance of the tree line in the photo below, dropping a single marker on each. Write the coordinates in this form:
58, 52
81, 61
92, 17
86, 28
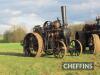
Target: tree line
17, 33
14, 34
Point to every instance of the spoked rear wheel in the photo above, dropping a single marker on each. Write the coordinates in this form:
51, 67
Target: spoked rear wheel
75, 47
33, 44
60, 49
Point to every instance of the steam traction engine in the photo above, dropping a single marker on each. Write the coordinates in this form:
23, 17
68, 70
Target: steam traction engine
90, 37
52, 38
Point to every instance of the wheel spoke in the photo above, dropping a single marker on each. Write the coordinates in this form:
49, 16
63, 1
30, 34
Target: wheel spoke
60, 49
33, 44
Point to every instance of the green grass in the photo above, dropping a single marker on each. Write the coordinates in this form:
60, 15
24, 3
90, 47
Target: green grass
10, 46
12, 62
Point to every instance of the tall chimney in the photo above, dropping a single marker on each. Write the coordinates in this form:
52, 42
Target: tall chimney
64, 17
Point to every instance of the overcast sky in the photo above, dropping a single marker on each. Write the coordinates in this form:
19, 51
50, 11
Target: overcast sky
34, 12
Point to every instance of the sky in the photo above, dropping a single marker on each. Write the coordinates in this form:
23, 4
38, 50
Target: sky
29, 13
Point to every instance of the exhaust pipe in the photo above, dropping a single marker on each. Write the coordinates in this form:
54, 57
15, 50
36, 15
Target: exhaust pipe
64, 16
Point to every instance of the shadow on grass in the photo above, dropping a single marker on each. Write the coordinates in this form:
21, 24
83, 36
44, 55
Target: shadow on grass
21, 55
49, 56
11, 54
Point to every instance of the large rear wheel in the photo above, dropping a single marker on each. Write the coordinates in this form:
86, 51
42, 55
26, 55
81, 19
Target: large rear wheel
96, 43
33, 44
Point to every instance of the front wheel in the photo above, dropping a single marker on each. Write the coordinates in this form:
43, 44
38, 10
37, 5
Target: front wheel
60, 49
75, 48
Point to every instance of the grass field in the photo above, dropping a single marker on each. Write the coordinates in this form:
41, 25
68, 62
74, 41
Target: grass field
12, 62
